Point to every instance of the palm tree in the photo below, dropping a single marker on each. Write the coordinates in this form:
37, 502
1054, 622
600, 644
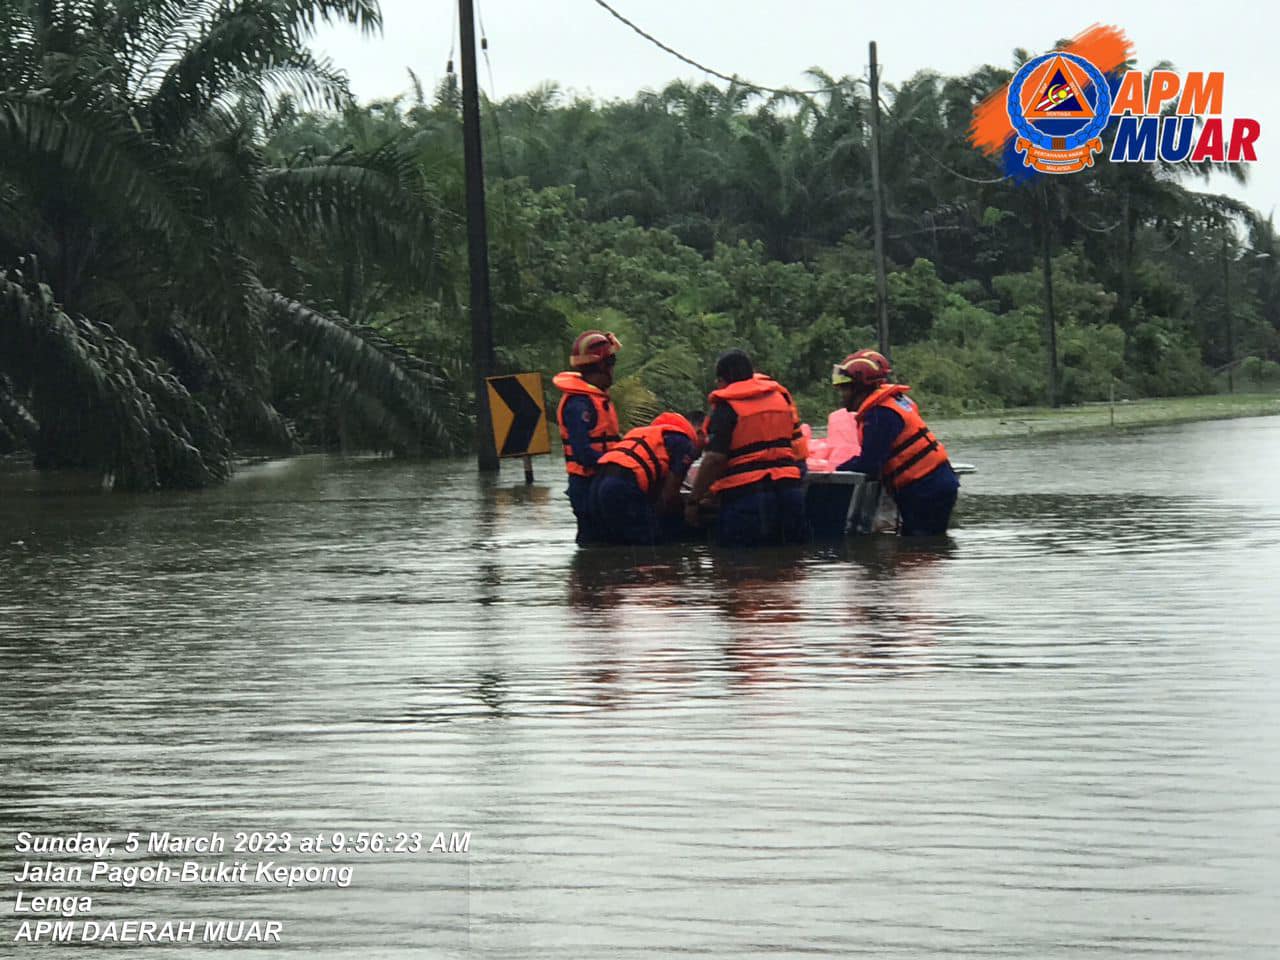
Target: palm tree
136, 193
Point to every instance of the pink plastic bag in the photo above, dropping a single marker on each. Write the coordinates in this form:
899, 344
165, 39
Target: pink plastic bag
843, 440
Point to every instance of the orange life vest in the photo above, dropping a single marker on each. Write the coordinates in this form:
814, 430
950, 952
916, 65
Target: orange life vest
643, 450
761, 445
605, 432
799, 443
916, 452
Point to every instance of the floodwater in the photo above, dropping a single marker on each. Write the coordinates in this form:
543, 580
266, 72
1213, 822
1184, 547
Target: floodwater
1054, 735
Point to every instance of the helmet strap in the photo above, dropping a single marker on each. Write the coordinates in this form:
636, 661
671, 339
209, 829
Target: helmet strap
597, 374
858, 396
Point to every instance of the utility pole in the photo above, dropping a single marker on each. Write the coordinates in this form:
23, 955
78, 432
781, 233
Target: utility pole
877, 213
477, 241
1050, 322
1231, 331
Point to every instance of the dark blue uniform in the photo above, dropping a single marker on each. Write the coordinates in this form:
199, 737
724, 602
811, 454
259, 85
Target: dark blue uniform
926, 504
622, 513
759, 514
580, 420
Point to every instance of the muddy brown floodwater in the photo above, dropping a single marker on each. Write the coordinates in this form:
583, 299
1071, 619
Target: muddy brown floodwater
1055, 735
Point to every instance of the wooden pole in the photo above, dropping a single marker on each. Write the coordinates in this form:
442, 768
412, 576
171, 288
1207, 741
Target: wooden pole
528, 470
877, 211
477, 241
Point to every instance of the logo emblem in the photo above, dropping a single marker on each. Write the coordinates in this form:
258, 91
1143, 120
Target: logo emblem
1058, 105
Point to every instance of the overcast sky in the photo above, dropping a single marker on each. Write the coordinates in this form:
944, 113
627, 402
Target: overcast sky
576, 44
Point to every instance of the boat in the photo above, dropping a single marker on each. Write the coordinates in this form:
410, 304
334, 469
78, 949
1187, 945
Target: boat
841, 503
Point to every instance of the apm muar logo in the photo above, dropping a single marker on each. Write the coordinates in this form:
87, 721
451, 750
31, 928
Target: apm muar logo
1058, 105
1053, 113
1177, 118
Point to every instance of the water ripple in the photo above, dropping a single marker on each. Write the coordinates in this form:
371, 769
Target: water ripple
1049, 736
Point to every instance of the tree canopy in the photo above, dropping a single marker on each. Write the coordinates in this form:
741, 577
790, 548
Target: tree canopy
208, 246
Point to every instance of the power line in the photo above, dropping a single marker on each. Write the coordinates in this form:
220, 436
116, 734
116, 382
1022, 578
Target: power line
955, 173
784, 91
1093, 229
453, 38
493, 104
484, 49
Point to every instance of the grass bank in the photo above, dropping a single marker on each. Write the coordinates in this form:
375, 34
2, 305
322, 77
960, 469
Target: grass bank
1028, 421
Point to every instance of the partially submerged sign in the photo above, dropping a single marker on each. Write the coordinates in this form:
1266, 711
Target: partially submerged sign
519, 415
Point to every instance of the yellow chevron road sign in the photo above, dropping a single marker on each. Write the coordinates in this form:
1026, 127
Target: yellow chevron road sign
519, 415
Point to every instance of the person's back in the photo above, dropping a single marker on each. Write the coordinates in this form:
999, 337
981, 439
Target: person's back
799, 442
638, 481
750, 462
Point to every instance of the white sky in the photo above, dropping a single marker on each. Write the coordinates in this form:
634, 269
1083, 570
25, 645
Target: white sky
579, 46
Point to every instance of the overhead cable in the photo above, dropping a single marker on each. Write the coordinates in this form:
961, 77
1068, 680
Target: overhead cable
783, 91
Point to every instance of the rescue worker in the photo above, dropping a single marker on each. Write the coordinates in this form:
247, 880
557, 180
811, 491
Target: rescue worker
898, 447
587, 419
749, 461
799, 442
637, 484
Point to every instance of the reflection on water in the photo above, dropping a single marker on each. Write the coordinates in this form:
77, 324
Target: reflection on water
1047, 734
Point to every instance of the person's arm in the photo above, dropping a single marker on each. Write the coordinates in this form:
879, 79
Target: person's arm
579, 421
680, 457
880, 427
709, 471
715, 455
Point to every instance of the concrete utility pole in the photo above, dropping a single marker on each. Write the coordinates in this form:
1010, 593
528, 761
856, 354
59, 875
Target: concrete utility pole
877, 212
1231, 329
477, 241
1050, 321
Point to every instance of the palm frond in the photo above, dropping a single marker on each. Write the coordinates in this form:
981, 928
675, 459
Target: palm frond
159, 31
377, 197
117, 164
244, 409
366, 362
99, 403
313, 83
243, 41
15, 419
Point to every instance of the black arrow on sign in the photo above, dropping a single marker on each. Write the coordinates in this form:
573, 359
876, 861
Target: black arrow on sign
525, 412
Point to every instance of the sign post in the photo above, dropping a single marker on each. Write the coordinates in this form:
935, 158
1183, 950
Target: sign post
519, 418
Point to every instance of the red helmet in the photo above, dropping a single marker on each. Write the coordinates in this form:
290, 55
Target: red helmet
592, 347
865, 368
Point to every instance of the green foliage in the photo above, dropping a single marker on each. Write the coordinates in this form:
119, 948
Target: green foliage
1092, 361
280, 265
136, 186
916, 296
1260, 374
1164, 359
113, 409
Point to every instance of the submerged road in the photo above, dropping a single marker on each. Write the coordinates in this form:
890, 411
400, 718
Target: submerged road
1053, 736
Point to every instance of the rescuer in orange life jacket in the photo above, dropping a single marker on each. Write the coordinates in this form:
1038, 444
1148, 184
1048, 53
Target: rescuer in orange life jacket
799, 443
635, 497
587, 418
897, 446
750, 459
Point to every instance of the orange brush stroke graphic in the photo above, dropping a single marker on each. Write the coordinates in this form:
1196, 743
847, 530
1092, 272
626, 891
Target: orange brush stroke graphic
1104, 46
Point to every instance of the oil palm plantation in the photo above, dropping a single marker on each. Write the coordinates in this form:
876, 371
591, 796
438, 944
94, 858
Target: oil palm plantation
159, 268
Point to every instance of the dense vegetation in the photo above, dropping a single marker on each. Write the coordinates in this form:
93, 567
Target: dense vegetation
153, 287
208, 246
